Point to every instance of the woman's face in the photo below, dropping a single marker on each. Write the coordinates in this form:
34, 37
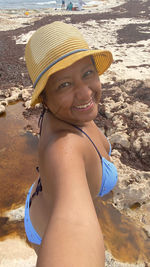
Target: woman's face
73, 94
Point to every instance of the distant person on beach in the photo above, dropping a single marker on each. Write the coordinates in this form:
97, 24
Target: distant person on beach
70, 6
63, 4
80, 3
74, 155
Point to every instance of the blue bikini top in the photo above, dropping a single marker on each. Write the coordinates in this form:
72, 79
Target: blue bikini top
109, 171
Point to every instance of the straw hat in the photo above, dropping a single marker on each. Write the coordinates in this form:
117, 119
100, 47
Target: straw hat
54, 47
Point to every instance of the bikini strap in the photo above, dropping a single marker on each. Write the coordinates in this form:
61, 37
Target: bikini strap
109, 148
38, 189
40, 122
88, 138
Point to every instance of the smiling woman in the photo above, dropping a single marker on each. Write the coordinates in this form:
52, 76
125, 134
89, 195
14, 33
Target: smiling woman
74, 164
73, 94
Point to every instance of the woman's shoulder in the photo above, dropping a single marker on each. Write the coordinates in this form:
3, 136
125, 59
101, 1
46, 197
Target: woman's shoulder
61, 161
62, 141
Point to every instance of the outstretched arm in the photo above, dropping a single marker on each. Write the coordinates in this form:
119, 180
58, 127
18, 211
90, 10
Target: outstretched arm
73, 236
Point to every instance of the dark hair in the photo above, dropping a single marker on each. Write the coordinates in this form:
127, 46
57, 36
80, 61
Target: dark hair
93, 61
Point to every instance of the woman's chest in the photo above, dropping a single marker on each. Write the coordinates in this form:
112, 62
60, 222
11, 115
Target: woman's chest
94, 172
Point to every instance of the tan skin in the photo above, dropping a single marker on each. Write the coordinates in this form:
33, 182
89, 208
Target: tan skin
63, 214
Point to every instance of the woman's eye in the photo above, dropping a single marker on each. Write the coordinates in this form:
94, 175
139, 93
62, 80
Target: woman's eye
64, 85
88, 73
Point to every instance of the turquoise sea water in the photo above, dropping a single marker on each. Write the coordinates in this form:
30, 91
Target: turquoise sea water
34, 4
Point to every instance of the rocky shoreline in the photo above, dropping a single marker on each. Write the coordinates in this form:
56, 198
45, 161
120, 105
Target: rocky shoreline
124, 114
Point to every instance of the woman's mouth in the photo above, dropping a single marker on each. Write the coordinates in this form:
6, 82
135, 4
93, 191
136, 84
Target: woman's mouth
86, 106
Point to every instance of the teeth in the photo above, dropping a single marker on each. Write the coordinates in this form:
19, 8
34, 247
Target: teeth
84, 106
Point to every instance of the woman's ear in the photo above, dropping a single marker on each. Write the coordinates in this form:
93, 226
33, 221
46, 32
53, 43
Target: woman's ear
43, 99
40, 98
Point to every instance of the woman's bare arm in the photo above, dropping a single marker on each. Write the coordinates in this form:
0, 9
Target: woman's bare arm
73, 236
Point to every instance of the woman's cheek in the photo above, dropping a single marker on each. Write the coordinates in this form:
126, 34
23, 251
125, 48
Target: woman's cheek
98, 93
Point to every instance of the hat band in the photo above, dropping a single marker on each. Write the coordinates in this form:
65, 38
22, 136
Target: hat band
54, 62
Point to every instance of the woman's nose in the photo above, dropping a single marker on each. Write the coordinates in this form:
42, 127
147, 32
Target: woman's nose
83, 91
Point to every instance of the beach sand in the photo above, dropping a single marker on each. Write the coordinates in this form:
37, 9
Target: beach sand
123, 28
